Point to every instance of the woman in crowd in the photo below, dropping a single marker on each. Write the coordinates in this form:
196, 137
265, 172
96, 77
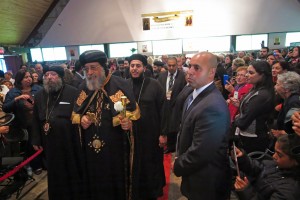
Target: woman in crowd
8, 84
247, 60
271, 179
228, 63
19, 101
255, 108
288, 87
271, 59
238, 62
24, 67
279, 67
35, 78
238, 91
294, 56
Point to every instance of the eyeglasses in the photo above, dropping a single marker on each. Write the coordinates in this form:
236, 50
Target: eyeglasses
92, 68
240, 75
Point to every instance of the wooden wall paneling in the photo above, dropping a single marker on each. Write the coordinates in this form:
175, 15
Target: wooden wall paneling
19, 17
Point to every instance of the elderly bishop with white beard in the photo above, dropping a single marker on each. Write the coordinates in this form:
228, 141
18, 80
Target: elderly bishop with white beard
104, 131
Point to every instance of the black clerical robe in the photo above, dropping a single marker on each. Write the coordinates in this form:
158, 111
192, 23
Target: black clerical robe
104, 144
60, 145
148, 170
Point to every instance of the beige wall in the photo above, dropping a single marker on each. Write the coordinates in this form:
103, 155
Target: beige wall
109, 21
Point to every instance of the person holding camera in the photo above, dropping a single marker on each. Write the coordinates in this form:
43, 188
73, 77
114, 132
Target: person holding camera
271, 179
237, 92
20, 101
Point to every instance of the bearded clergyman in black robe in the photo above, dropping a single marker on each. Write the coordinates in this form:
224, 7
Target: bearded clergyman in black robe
52, 132
103, 129
148, 169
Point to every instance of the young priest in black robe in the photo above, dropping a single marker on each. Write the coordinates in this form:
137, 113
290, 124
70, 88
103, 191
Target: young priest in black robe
148, 171
103, 131
51, 131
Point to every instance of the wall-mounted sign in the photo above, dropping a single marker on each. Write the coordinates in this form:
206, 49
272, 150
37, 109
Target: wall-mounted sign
277, 41
145, 47
167, 20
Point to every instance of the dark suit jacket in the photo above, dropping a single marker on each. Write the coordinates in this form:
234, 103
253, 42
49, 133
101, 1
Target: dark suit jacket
202, 148
178, 108
179, 83
123, 74
77, 80
169, 104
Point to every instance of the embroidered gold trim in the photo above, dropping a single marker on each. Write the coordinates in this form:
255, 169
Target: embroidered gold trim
81, 98
75, 118
117, 97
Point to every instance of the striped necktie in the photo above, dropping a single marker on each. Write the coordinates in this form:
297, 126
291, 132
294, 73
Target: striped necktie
190, 100
171, 81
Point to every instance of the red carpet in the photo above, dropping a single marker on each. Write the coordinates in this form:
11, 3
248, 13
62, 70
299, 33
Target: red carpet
167, 166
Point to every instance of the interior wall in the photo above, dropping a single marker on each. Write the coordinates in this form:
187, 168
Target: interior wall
94, 21
13, 63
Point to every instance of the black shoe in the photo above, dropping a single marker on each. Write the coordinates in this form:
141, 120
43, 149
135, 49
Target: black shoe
169, 151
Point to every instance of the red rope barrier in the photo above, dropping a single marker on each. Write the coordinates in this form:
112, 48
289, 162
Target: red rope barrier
18, 167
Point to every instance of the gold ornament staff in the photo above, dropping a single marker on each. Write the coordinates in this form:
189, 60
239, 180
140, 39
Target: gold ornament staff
130, 139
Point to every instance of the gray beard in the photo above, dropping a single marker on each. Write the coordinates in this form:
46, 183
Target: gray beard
52, 86
95, 83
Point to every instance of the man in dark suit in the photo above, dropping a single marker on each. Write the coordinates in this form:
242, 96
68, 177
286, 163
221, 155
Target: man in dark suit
78, 75
172, 81
121, 71
201, 154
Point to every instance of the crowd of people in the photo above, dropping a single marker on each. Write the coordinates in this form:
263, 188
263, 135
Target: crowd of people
106, 124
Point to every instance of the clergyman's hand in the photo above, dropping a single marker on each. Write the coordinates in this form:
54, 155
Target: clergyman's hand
85, 122
126, 123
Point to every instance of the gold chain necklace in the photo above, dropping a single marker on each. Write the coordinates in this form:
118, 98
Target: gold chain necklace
46, 125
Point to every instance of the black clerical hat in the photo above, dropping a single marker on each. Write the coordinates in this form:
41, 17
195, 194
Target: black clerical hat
93, 56
158, 63
58, 69
139, 57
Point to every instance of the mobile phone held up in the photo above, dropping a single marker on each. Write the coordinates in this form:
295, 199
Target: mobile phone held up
236, 94
225, 79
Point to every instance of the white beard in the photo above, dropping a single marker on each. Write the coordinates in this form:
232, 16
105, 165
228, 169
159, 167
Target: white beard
94, 82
